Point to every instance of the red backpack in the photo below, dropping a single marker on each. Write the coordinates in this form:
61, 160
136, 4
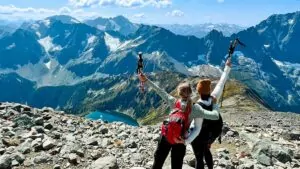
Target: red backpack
177, 124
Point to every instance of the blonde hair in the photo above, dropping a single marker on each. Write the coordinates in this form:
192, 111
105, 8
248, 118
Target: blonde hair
184, 88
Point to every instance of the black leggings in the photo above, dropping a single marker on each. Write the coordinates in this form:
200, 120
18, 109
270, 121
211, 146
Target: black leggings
162, 151
202, 149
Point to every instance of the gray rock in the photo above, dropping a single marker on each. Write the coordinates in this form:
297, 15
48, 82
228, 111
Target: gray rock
79, 152
47, 117
10, 150
48, 144
28, 163
42, 158
190, 160
18, 157
56, 135
132, 144
246, 166
281, 154
297, 155
24, 120
2, 151
264, 159
39, 121
105, 142
96, 154
39, 129
5, 162
223, 162
232, 133
73, 158
137, 158
10, 142
137, 168
48, 126
92, 142
56, 166
37, 144
25, 146
222, 150
250, 130
104, 130
10, 133
292, 135
109, 162
6, 129
156, 137
273, 151
15, 163
295, 165
70, 138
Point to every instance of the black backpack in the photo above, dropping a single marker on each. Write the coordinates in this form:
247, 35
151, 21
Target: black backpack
211, 129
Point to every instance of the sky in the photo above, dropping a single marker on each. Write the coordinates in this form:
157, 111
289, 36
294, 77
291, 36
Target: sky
240, 12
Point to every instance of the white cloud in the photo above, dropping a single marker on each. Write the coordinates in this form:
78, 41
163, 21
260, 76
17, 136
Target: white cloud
11, 12
220, 1
65, 10
139, 15
121, 3
83, 3
11, 9
175, 13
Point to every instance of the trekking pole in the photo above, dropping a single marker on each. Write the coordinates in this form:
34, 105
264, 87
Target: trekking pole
232, 46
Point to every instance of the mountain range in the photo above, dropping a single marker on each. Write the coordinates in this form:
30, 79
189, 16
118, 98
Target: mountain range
202, 30
65, 63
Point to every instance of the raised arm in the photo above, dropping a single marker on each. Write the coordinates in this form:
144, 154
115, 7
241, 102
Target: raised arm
163, 94
199, 112
195, 132
218, 90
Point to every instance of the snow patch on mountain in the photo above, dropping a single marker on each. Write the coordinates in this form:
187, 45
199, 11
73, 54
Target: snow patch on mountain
19, 80
291, 21
35, 26
38, 34
47, 74
206, 70
48, 64
180, 67
290, 70
92, 39
13, 45
95, 93
75, 20
101, 27
111, 42
115, 44
46, 22
115, 25
48, 45
119, 86
260, 31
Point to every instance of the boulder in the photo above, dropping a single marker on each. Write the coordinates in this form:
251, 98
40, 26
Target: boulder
108, 162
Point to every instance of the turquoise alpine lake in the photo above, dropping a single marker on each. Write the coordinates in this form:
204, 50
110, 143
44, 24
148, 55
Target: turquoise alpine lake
111, 116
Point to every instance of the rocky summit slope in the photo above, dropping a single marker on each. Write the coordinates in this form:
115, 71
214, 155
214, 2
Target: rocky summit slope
45, 139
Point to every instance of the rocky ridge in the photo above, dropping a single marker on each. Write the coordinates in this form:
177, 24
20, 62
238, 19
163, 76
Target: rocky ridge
44, 138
